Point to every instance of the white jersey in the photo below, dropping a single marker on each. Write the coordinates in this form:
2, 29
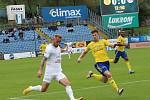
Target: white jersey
69, 47
53, 55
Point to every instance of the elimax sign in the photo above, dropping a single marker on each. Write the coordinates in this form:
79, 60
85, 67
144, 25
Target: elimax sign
121, 20
63, 13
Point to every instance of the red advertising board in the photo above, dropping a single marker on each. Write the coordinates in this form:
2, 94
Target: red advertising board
140, 45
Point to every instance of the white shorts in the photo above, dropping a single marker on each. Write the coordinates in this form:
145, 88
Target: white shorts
49, 77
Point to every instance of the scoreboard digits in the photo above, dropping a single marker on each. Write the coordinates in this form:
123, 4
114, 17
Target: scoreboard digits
118, 6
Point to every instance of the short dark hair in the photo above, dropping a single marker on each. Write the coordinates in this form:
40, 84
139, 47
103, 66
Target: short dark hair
121, 31
57, 35
94, 31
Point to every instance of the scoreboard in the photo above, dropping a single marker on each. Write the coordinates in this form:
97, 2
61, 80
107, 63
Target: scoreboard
118, 6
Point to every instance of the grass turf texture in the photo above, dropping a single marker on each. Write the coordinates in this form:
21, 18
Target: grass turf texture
15, 75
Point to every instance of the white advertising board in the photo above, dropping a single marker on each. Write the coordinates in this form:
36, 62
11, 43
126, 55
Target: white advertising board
19, 55
13, 10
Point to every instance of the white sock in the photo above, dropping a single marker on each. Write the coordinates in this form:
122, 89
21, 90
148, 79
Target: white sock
70, 92
69, 55
36, 88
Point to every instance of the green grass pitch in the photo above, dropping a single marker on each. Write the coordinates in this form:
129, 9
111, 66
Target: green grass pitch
15, 75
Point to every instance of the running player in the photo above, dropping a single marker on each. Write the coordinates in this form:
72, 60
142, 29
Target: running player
43, 47
120, 51
69, 49
98, 48
53, 70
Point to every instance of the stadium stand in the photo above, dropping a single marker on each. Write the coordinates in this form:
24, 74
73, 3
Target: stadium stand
31, 39
80, 33
17, 45
31, 42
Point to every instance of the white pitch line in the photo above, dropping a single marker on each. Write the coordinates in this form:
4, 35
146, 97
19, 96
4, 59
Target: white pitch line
56, 92
19, 99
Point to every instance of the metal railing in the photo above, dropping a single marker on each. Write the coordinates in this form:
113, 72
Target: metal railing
96, 20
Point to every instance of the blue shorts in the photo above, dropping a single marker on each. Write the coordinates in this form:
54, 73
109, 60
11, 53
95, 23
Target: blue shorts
102, 67
120, 53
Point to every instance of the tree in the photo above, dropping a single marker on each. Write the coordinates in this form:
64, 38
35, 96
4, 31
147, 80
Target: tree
144, 7
74, 2
29, 2
14, 2
57, 2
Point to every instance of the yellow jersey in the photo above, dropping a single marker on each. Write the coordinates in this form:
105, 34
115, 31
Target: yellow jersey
121, 40
99, 51
42, 48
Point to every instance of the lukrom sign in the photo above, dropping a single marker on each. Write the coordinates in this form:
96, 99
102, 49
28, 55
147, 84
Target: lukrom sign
121, 20
65, 13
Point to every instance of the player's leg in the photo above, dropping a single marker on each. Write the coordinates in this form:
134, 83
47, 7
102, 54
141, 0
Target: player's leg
125, 57
111, 60
69, 54
118, 54
98, 77
105, 71
63, 80
41, 88
112, 82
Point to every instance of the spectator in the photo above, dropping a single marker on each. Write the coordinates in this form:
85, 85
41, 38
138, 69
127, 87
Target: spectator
3, 31
85, 23
39, 37
21, 34
70, 27
6, 40
41, 19
11, 34
53, 28
43, 47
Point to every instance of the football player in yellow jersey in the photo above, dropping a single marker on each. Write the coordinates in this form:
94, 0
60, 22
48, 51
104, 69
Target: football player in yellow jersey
98, 48
120, 51
43, 47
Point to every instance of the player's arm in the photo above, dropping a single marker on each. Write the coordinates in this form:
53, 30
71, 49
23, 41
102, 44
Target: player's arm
119, 40
82, 55
121, 44
46, 55
64, 49
112, 45
40, 47
117, 44
40, 71
107, 43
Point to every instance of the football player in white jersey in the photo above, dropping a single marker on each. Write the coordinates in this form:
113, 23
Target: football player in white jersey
69, 49
53, 70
